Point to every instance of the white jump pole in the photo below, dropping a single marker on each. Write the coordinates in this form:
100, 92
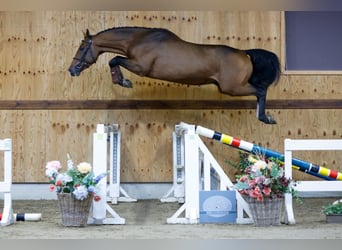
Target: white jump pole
26, 217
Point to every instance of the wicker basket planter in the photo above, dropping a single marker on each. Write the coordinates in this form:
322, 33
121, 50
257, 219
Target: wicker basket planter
265, 213
74, 212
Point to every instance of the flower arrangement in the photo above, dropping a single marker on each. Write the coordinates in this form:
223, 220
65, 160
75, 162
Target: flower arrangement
333, 208
262, 178
79, 180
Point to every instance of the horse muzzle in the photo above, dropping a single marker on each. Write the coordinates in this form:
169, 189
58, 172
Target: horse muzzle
74, 72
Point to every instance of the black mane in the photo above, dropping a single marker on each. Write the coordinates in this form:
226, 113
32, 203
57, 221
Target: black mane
130, 27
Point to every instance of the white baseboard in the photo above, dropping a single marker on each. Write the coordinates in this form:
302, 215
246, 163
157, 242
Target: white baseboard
139, 191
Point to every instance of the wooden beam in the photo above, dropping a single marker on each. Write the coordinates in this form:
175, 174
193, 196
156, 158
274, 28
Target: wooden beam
165, 104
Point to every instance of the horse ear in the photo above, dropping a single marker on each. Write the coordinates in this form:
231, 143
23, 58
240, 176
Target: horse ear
86, 34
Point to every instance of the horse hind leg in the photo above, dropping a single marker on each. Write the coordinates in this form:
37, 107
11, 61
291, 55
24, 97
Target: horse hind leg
261, 114
247, 90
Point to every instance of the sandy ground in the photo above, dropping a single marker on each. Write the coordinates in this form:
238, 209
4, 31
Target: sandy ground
146, 219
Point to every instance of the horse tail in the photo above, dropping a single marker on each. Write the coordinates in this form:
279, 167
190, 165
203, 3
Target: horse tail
266, 68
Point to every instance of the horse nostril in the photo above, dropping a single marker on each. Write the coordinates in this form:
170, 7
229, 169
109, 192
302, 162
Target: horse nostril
72, 72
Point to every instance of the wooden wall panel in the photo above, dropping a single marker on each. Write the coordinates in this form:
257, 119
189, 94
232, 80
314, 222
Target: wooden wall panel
146, 155
36, 49
307, 87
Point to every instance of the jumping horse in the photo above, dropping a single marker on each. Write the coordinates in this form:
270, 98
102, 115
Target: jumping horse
160, 54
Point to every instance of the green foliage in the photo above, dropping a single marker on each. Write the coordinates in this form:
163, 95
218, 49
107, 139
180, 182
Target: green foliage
243, 161
333, 208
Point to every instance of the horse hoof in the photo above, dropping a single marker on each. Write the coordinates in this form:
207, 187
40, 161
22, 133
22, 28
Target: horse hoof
268, 120
126, 83
271, 121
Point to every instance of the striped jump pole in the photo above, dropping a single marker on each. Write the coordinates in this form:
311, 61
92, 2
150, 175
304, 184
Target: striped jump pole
26, 217
297, 164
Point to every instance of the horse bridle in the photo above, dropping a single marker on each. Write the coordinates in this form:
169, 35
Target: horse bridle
82, 61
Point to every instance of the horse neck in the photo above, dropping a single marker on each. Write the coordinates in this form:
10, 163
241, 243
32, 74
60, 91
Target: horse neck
115, 40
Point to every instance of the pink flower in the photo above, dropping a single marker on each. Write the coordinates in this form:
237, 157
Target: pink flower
51, 187
244, 192
252, 193
251, 183
54, 165
267, 190
243, 178
257, 190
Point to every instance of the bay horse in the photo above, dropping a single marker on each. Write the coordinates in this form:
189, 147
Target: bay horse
160, 54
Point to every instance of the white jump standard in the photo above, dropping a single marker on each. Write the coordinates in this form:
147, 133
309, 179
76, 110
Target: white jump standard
5, 186
199, 166
8, 217
116, 193
113, 191
176, 193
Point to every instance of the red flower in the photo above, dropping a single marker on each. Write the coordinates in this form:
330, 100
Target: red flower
97, 198
59, 183
260, 198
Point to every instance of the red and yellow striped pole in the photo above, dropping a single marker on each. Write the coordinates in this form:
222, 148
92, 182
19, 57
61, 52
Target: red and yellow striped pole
297, 164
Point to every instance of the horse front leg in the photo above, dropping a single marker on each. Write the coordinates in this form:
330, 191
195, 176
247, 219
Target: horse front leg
261, 114
117, 76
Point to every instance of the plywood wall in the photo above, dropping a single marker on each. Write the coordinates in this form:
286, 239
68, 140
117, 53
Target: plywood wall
36, 49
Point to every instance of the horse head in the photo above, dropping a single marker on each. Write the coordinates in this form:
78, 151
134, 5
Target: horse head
85, 56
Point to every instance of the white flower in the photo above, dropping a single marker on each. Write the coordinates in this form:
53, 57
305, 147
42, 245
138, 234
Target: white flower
270, 165
337, 201
67, 178
70, 163
64, 178
259, 164
51, 172
80, 192
84, 167
252, 158
267, 181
